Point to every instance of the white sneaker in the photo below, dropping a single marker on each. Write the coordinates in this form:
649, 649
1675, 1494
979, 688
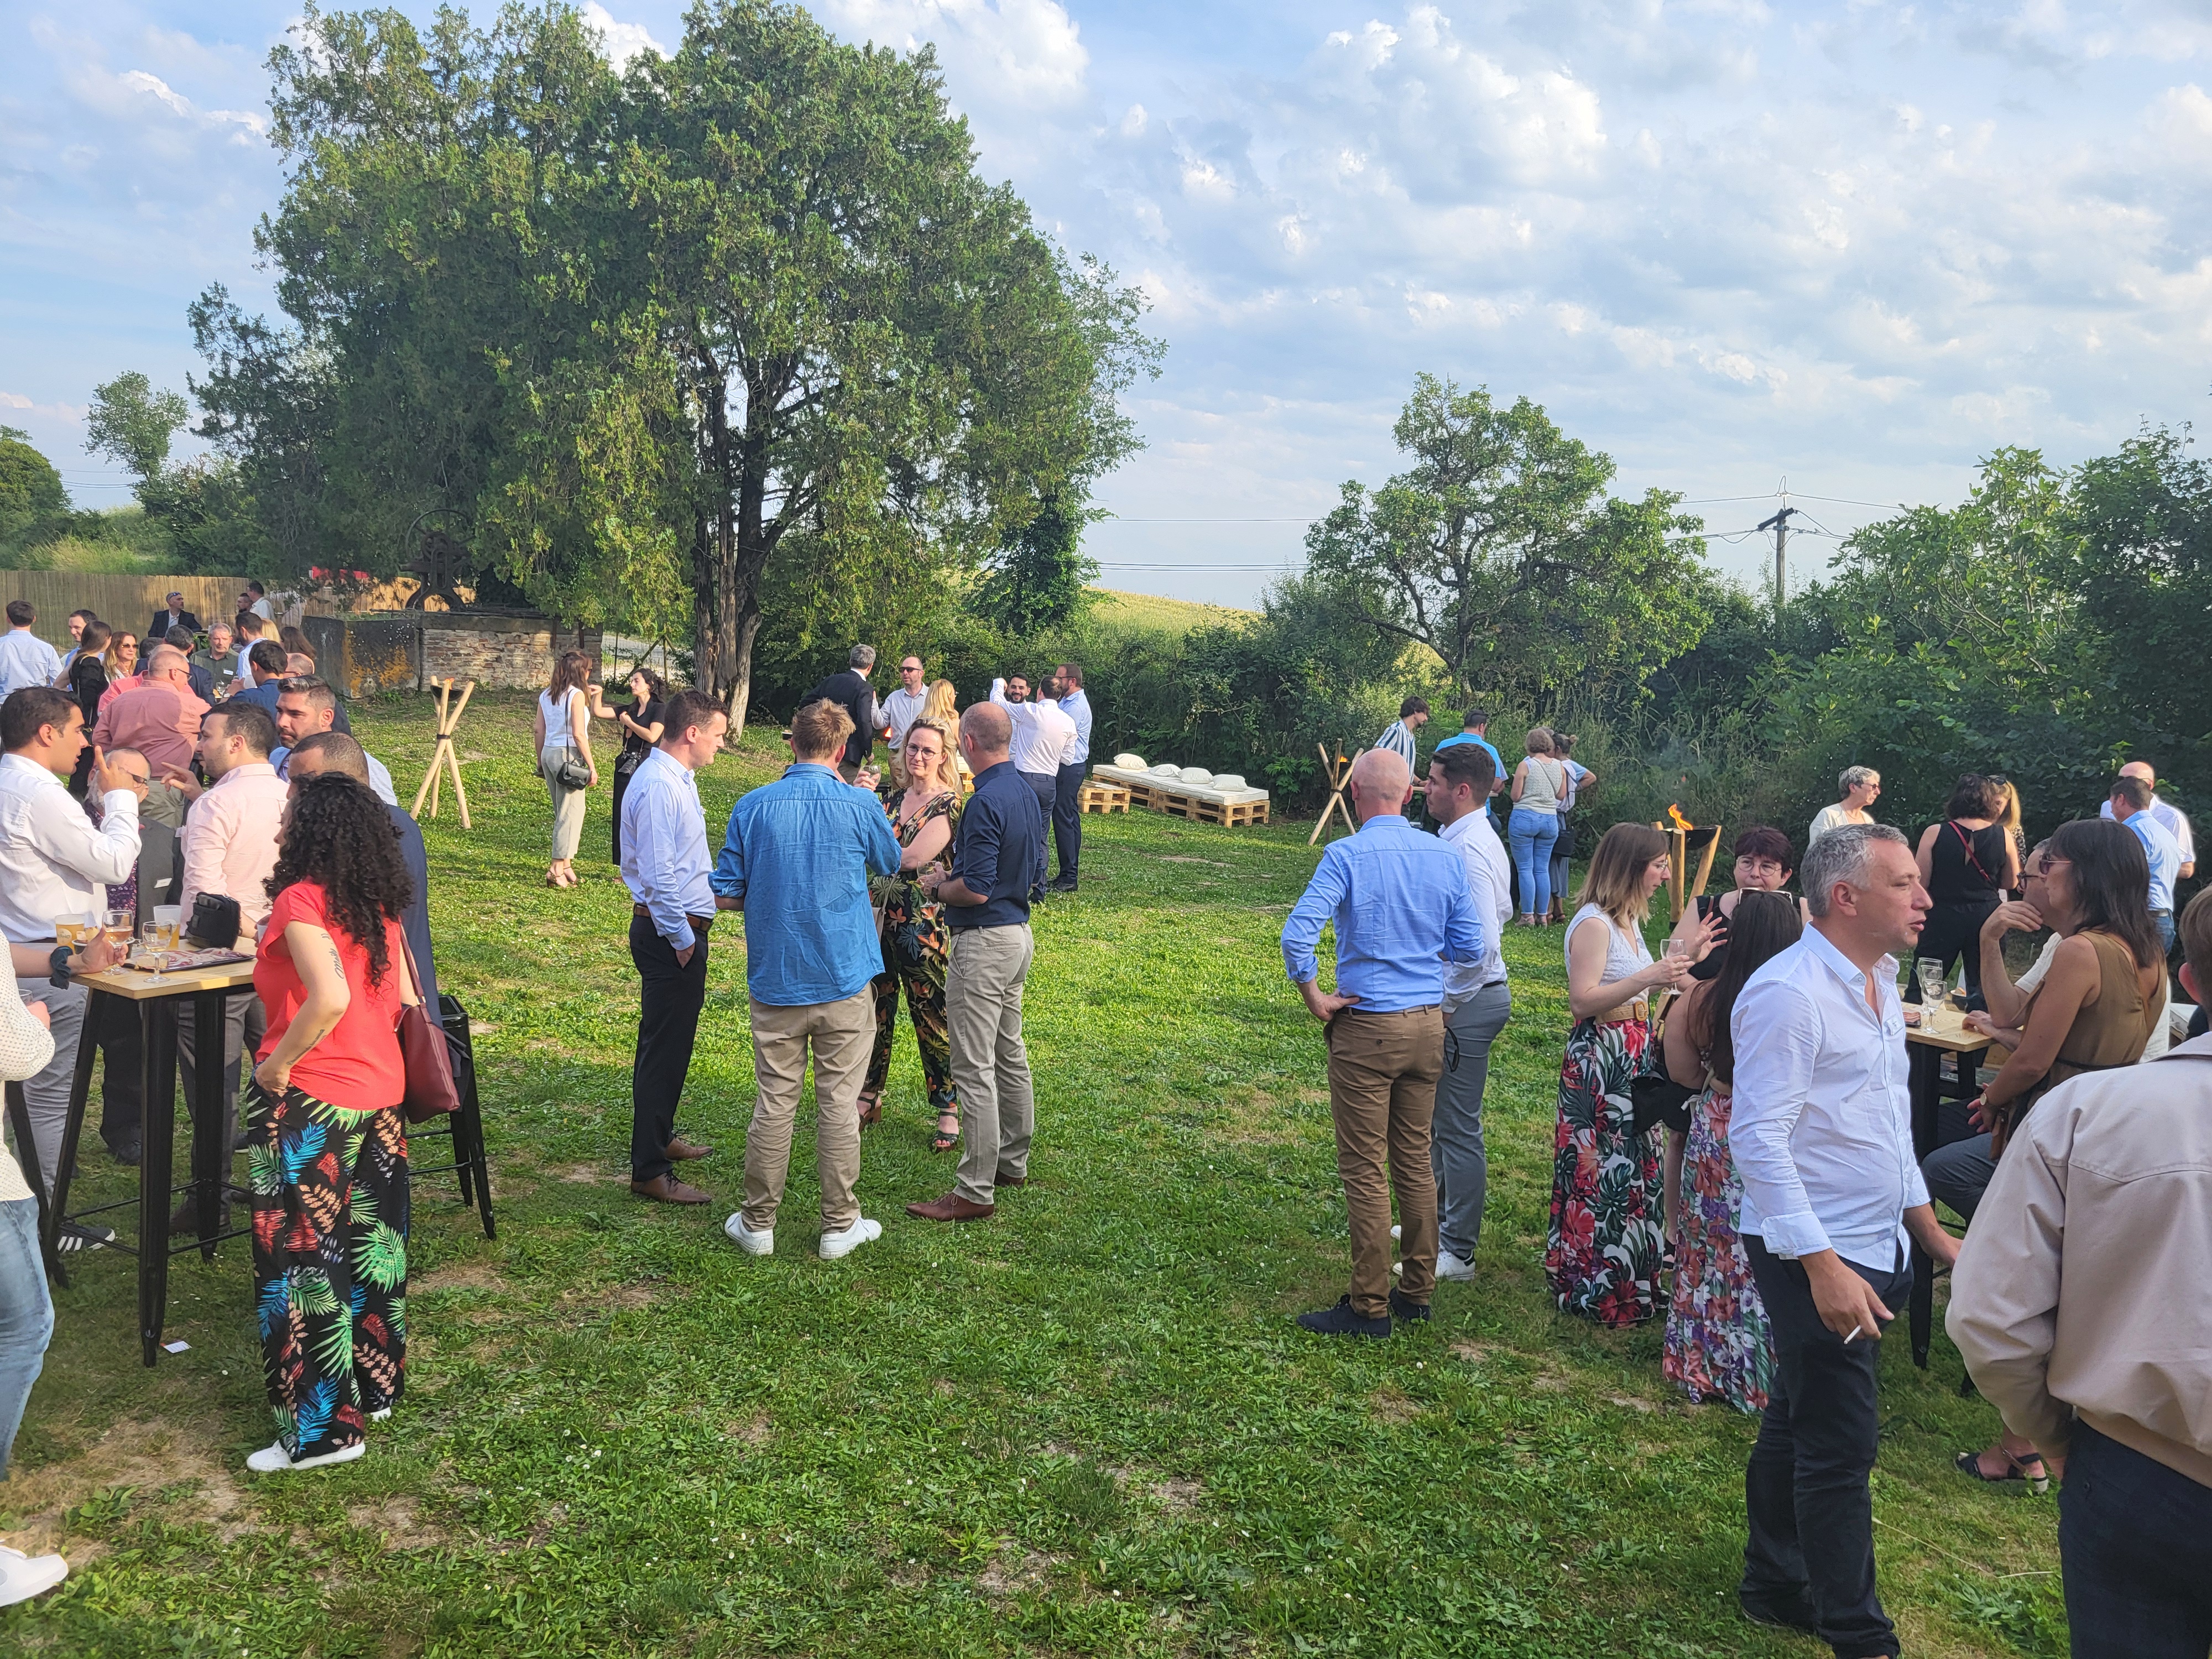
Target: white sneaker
752, 1243
22, 1576
382, 1414
1450, 1267
1397, 1232
862, 1231
275, 1460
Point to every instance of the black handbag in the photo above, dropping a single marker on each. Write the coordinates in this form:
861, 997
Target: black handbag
215, 921
1654, 1098
571, 772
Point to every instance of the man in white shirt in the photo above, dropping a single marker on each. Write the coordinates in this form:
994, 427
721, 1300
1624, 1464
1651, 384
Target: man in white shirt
1074, 765
2129, 804
255, 599
54, 863
25, 659
305, 704
1043, 736
1477, 1003
902, 708
77, 621
1398, 736
1821, 1130
2175, 820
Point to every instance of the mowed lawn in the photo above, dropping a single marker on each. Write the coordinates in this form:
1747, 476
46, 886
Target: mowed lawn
1085, 1427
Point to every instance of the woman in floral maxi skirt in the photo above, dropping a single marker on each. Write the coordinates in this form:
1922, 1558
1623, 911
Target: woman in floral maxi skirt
1603, 1250
328, 1147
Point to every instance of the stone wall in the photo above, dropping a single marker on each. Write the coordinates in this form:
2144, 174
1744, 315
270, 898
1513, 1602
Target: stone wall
363, 653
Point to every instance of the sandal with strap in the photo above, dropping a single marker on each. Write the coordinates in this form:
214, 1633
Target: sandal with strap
1969, 1463
872, 1111
941, 1141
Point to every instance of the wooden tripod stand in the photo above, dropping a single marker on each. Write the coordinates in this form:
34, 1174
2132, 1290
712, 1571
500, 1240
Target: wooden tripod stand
449, 717
1338, 773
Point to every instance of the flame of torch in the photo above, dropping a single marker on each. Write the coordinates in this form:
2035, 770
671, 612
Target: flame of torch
1675, 813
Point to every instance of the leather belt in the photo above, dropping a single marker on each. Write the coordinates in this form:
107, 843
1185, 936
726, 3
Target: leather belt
699, 924
1636, 1008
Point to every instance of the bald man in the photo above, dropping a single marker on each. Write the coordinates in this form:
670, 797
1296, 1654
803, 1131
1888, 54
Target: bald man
1403, 908
2171, 819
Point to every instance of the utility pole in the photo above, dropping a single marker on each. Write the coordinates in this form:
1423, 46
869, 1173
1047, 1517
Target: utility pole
1779, 524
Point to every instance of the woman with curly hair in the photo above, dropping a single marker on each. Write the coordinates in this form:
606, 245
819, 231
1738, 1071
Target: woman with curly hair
327, 1148
642, 725
916, 942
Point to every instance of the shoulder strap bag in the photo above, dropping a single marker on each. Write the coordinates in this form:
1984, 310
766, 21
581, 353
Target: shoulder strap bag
423, 1053
572, 772
1967, 846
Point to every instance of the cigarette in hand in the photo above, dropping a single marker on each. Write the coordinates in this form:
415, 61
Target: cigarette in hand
1857, 1331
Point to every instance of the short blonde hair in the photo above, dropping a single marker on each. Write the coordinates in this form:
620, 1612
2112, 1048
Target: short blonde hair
948, 768
820, 729
1615, 881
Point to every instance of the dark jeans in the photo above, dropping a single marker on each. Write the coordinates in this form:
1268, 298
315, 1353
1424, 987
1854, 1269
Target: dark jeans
667, 1025
2135, 1543
122, 1087
1811, 1516
1951, 931
1066, 821
622, 788
1960, 1172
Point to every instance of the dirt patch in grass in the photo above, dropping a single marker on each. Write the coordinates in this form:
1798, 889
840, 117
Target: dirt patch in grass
459, 1276
755, 1430
1629, 1402
1394, 1408
399, 1523
616, 1298
1252, 1117
1475, 1354
581, 1175
1013, 1571
186, 1469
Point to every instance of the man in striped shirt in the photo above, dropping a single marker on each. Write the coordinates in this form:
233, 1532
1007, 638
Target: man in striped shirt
1398, 736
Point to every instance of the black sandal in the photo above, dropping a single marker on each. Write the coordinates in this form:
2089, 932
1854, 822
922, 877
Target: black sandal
1969, 1463
942, 1142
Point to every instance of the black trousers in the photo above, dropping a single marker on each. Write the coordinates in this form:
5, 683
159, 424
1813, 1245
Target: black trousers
1066, 821
2134, 1543
1810, 1513
622, 788
672, 994
1953, 930
122, 1089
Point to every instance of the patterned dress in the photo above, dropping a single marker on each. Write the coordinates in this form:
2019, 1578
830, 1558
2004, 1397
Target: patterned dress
1718, 1343
330, 1265
1603, 1249
916, 947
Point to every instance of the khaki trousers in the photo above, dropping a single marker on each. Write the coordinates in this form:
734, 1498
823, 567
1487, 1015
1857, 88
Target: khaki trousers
841, 1035
990, 1065
1382, 1072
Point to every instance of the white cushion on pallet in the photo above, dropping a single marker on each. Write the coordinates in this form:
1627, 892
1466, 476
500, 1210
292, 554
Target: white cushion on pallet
1197, 775
1130, 763
1227, 781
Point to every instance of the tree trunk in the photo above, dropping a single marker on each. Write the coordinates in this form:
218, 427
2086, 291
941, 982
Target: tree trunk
741, 691
704, 644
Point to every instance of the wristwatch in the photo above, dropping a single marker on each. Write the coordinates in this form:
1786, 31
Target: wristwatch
58, 967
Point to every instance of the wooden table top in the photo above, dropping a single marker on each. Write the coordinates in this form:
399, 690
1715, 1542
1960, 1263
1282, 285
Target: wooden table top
1948, 1032
135, 983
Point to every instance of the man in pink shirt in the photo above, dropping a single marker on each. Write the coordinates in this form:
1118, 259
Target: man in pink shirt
159, 717
228, 847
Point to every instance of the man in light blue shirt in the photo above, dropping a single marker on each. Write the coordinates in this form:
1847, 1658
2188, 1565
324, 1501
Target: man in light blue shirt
1472, 727
664, 865
796, 861
1821, 1130
25, 659
2130, 805
1075, 761
1402, 908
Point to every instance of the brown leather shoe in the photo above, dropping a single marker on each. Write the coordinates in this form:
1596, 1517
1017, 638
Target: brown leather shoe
1002, 1179
683, 1151
952, 1207
667, 1189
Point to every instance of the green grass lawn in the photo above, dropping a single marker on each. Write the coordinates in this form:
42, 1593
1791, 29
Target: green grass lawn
1085, 1427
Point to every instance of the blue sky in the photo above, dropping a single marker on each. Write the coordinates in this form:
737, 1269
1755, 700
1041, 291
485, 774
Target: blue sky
1858, 245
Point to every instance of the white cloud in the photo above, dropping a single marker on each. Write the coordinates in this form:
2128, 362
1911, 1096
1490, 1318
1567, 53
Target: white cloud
621, 41
998, 55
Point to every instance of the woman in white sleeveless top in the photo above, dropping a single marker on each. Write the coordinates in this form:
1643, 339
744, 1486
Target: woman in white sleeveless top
1540, 784
1603, 1247
562, 732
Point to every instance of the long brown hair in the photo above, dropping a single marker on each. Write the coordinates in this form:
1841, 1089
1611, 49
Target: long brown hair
570, 670
1614, 881
2111, 884
1764, 925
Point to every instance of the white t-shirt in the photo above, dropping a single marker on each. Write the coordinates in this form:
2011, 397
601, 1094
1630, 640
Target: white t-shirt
1834, 816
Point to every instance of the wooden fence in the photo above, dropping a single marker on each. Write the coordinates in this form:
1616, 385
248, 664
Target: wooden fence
118, 601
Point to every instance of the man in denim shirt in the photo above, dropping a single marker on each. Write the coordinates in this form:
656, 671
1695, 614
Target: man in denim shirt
796, 861
997, 862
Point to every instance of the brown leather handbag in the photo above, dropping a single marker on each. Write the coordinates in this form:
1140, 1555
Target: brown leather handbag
422, 1051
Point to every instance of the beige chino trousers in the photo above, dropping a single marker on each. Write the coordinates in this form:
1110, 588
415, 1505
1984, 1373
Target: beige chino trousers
842, 1034
1383, 1075
990, 1064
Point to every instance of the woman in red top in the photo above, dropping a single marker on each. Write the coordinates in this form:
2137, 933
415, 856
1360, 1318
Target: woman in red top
329, 1149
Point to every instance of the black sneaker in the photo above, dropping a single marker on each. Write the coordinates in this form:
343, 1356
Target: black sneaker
1406, 1311
1340, 1320
1060, 885
74, 1236
124, 1152
1798, 1614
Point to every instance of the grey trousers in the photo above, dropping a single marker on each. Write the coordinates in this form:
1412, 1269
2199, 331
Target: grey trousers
46, 1094
245, 1024
1960, 1173
990, 1065
1455, 1133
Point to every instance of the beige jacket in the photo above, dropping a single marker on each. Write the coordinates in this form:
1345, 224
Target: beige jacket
2085, 1286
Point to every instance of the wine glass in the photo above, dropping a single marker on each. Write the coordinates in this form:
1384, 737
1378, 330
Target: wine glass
117, 926
1931, 988
153, 948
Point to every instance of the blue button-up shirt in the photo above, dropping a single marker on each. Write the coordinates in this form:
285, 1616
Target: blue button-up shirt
663, 833
1496, 760
998, 850
1078, 708
2163, 854
1402, 908
799, 853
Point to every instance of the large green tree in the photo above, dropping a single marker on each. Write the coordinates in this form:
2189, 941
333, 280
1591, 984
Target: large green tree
1500, 551
132, 423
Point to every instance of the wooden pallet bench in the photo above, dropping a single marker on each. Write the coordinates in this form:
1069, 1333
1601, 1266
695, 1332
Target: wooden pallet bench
1101, 798
1230, 815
